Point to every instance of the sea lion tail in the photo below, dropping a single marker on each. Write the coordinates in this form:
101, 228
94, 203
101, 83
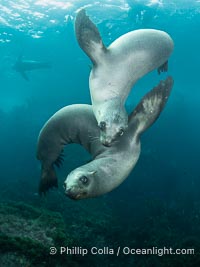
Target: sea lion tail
150, 107
88, 37
48, 180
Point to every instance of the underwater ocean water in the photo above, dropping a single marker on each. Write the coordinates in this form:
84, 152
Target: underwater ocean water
158, 206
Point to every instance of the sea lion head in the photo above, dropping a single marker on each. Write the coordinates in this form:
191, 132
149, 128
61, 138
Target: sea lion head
80, 184
112, 122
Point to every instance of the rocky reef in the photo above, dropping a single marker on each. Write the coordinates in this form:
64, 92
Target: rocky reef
28, 231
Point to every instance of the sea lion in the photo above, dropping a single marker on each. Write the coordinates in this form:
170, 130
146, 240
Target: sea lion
71, 124
110, 165
117, 68
24, 65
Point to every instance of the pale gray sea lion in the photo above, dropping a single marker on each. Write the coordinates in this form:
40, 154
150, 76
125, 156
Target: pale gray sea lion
117, 68
110, 165
23, 65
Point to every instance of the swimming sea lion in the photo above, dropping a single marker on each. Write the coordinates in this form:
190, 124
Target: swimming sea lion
23, 65
111, 165
117, 68
71, 124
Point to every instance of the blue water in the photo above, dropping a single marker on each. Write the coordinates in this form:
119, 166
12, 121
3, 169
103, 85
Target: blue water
168, 168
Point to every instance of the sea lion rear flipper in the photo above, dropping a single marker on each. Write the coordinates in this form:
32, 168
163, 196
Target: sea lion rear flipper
48, 180
88, 37
24, 76
150, 107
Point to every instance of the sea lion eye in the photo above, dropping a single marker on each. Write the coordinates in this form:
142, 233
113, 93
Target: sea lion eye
83, 179
121, 132
102, 125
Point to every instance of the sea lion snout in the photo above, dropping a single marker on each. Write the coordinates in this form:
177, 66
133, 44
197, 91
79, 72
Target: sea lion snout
106, 143
108, 139
70, 193
113, 127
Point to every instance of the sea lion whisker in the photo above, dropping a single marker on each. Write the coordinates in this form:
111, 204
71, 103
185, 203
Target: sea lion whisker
93, 138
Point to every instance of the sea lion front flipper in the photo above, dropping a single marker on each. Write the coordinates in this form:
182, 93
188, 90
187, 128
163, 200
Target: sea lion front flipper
88, 37
24, 76
150, 107
60, 159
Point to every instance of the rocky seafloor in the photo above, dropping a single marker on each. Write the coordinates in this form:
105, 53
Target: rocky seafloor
27, 232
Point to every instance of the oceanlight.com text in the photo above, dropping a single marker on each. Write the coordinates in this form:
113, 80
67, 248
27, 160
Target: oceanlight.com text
121, 251
158, 251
